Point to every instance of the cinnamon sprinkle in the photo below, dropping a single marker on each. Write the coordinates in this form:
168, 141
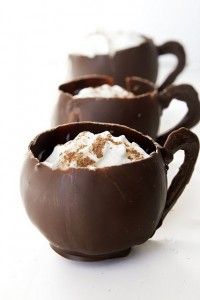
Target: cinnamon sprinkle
80, 158
133, 154
84, 161
98, 145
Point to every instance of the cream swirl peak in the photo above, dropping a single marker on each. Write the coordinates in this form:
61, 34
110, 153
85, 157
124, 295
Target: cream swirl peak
88, 150
104, 91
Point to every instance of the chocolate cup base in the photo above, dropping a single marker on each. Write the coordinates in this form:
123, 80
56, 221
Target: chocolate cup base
82, 257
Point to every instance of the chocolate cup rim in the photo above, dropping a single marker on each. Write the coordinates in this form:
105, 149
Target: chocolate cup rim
136, 97
85, 77
41, 164
146, 40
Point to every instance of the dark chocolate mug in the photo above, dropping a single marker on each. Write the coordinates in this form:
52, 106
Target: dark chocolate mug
97, 214
141, 112
141, 61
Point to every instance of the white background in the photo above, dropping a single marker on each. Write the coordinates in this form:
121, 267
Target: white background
35, 37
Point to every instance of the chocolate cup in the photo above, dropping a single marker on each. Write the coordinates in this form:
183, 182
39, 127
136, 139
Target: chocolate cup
141, 61
97, 214
141, 112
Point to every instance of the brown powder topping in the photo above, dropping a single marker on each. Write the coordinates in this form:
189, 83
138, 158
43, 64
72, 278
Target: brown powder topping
98, 145
133, 154
81, 159
84, 161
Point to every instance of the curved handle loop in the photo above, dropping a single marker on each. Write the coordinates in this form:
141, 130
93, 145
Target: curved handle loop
187, 94
177, 49
181, 139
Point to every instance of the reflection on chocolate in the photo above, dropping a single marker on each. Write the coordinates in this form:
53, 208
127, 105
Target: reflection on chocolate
98, 214
142, 112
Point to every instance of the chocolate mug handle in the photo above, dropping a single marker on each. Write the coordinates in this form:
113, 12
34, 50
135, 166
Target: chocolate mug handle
177, 49
187, 94
181, 139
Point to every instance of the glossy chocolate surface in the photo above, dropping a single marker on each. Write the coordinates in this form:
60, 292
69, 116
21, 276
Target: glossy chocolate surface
97, 214
141, 61
141, 112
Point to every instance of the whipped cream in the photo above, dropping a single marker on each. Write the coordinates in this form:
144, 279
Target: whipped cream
88, 150
99, 43
104, 91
